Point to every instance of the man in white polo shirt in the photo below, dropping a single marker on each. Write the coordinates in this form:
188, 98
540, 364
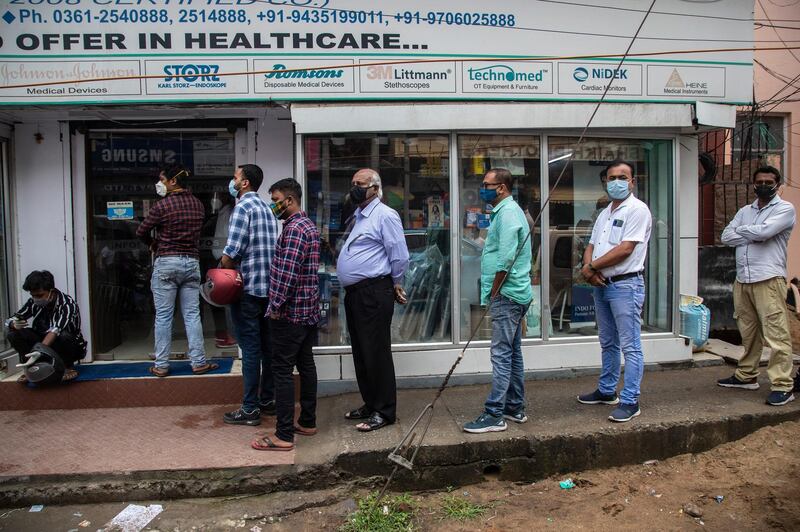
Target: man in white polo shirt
613, 263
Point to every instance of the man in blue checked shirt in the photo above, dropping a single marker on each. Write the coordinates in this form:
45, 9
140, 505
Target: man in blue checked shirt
252, 234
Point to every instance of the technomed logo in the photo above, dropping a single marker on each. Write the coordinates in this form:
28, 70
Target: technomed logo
503, 73
580, 74
320, 73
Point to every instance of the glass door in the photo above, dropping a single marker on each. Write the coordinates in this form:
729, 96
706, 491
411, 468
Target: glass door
122, 169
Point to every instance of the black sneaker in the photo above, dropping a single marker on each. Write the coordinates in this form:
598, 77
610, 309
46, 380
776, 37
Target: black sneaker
267, 408
733, 382
780, 398
240, 417
597, 398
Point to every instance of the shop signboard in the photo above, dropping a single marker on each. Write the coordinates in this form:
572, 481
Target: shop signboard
129, 51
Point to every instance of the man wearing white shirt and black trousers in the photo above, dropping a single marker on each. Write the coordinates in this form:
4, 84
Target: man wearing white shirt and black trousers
613, 263
760, 232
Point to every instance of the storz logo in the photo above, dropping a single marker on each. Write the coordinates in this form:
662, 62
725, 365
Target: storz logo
191, 73
581, 74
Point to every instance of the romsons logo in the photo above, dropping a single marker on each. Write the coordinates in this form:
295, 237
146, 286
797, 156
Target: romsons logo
316, 73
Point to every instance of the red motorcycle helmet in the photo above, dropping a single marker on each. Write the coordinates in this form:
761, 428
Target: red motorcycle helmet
222, 287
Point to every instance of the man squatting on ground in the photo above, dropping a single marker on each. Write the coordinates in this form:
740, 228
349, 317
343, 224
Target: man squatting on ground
56, 322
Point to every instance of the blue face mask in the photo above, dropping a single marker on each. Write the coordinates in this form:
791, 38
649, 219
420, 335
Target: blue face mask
488, 194
232, 189
617, 189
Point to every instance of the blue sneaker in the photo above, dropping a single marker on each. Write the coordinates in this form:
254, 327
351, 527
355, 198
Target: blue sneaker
780, 398
485, 423
624, 413
517, 417
597, 398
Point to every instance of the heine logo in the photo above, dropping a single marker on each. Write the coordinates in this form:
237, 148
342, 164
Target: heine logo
318, 73
580, 74
191, 76
503, 73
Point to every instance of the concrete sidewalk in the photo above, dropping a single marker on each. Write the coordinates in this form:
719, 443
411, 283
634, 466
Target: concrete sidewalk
162, 452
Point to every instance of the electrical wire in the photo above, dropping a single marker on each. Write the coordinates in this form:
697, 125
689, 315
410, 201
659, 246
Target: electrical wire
776, 30
777, 75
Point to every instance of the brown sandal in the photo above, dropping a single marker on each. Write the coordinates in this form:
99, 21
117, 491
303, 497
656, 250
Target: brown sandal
158, 372
23, 379
69, 375
304, 431
205, 368
265, 443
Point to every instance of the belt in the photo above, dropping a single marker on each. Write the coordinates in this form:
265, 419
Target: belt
616, 278
367, 282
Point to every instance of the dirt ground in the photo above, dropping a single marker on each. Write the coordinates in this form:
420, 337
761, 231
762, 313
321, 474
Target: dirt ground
756, 481
757, 477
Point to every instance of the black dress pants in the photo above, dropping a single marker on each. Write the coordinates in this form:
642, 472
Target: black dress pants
65, 345
292, 345
369, 306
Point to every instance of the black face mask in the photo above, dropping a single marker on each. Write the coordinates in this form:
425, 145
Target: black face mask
765, 192
358, 195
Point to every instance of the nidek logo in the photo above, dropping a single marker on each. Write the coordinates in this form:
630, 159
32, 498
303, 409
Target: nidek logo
581, 74
320, 73
191, 76
504, 73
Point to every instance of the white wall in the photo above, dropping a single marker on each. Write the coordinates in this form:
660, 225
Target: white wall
686, 214
42, 207
273, 148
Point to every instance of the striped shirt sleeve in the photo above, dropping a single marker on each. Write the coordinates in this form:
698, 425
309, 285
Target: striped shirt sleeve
65, 313
238, 232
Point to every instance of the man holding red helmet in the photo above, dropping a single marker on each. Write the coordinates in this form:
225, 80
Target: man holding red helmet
252, 234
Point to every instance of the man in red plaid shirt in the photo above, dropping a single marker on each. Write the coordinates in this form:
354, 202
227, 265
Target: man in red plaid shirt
177, 220
294, 314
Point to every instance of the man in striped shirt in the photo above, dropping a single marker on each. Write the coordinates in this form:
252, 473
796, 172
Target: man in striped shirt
252, 233
55, 322
294, 314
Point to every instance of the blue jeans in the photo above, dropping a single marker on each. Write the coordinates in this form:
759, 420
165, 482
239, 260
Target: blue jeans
251, 327
618, 308
177, 276
508, 373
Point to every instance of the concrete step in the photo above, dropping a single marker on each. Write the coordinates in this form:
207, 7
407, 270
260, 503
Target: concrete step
128, 454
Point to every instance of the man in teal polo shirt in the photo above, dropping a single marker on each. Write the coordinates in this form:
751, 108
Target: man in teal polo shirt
508, 239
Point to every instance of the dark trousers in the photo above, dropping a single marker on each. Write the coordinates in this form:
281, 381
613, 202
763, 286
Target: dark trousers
369, 309
292, 345
65, 345
252, 334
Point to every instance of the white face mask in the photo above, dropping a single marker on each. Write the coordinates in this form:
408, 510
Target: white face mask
161, 189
